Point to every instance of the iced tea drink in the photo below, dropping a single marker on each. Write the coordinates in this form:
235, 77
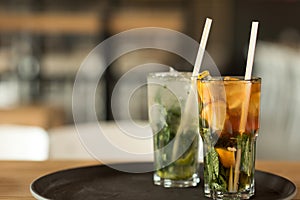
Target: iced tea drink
229, 122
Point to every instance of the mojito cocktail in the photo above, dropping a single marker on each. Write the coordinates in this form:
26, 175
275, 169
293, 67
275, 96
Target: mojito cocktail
175, 134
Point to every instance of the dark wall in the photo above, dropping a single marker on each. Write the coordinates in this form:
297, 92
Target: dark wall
275, 17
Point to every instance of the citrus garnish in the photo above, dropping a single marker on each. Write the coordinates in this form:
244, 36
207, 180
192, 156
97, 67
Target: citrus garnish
228, 78
203, 74
226, 157
215, 114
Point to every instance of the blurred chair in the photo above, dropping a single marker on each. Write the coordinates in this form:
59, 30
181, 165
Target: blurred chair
67, 143
278, 65
23, 143
70, 142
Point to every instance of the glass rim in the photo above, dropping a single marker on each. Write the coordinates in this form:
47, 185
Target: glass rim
169, 74
240, 79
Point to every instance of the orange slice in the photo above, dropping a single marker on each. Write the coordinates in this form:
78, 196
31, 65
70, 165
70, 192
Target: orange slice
215, 114
254, 103
226, 157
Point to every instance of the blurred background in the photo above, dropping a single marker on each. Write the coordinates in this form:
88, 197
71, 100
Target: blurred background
43, 42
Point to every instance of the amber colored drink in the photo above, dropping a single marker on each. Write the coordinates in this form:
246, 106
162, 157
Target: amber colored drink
229, 123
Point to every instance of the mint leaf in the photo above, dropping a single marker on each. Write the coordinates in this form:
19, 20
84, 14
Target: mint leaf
247, 155
211, 164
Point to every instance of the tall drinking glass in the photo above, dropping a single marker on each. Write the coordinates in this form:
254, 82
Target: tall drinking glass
229, 122
175, 134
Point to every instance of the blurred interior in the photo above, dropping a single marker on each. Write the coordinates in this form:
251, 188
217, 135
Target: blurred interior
43, 43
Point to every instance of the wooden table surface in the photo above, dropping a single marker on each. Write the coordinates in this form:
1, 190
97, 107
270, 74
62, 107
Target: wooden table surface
16, 176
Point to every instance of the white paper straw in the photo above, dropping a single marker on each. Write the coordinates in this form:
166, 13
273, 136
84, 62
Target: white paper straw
244, 114
251, 50
191, 98
202, 46
248, 75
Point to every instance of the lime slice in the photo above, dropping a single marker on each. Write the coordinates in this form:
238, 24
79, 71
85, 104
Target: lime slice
203, 74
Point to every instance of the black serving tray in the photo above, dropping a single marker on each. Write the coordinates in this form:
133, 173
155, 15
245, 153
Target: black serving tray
102, 182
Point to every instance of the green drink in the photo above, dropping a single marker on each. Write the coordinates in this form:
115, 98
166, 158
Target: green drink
175, 136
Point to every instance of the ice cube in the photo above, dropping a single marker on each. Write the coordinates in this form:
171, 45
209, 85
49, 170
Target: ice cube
157, 117
235, 95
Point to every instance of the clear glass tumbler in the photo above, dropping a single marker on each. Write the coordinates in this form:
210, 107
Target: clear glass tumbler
229, 121
175, 126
